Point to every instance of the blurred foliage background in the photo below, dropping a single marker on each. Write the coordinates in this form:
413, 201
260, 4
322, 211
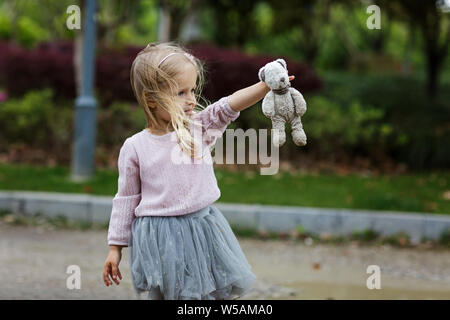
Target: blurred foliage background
378, 99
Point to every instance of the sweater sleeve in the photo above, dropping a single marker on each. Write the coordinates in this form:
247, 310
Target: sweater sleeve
127, 197
216, 117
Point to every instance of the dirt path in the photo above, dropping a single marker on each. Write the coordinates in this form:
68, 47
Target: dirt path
34, 261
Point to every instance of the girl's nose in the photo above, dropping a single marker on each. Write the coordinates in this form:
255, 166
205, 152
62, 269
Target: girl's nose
191, 99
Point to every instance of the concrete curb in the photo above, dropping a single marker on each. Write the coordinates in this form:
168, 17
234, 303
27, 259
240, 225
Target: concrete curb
83, 207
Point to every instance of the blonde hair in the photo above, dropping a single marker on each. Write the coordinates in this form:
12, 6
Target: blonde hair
156, 84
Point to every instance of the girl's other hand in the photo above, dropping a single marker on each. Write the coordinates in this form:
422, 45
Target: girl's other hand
111, 267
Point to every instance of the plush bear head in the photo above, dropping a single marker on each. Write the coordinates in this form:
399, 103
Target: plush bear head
275, 75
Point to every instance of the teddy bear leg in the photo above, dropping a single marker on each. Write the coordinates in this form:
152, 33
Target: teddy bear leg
279, 135
298, 134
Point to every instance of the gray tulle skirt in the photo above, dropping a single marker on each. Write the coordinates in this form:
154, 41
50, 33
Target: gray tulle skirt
189, 257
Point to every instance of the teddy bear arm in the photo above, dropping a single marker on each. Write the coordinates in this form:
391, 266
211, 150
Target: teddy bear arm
268, 105
299, 102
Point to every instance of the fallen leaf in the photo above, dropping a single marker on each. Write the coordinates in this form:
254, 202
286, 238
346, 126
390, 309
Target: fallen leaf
446, 195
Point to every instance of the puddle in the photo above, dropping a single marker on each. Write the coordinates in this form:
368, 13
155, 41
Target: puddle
290, 271
323, 291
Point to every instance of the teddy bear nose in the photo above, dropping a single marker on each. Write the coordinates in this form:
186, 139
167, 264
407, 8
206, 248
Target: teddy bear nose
282, 79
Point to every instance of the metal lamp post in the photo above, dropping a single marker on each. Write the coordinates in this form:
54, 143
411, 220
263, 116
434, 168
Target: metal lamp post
83, 155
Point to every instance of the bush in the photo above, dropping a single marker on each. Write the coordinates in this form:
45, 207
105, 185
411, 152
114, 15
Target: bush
48, 65
27, 120
38, 121
51, 65
33, 127
400, 239
117, 121
415, 129
334, 131
236, 70
29, 32
377, 118
444, 239
346, 128
367, 235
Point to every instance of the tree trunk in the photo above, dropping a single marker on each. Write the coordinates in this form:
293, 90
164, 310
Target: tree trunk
164, 22
409, 47
433, 63
191, 29
311, 51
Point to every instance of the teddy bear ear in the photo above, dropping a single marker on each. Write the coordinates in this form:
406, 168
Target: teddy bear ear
261, 75
282, 62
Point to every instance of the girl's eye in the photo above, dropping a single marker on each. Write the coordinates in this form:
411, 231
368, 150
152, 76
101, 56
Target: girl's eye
180, 93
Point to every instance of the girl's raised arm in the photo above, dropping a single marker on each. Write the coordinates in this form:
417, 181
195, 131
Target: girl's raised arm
244, 98
217, 116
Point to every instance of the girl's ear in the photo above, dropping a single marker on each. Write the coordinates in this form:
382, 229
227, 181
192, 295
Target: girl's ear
148, 101
151, 103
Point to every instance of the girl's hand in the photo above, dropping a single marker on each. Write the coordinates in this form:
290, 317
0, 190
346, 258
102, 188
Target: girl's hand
111, 267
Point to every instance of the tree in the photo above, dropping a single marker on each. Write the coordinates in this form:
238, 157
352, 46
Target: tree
32, 22
172, 15
434, 25
111, 15
308, 16
234, 21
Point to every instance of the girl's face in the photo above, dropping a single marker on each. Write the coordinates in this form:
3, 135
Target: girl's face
185, 96
187, 80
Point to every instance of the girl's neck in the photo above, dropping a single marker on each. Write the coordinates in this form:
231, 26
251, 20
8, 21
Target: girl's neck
161, 128
159, 132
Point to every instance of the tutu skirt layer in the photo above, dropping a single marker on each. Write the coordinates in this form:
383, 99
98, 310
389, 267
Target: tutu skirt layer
189, 257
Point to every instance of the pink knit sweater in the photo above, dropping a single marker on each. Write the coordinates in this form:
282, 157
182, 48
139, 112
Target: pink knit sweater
157, 179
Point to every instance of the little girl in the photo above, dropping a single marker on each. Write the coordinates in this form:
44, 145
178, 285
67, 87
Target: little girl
181, 246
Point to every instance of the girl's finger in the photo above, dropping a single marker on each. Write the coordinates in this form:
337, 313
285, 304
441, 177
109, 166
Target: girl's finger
109, 274
107, 282
108, 278
106, 272
114, 274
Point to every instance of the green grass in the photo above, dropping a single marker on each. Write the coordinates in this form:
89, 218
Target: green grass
420, 192
411, 192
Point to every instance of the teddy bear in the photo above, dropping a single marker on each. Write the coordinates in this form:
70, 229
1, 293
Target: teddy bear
282, 103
